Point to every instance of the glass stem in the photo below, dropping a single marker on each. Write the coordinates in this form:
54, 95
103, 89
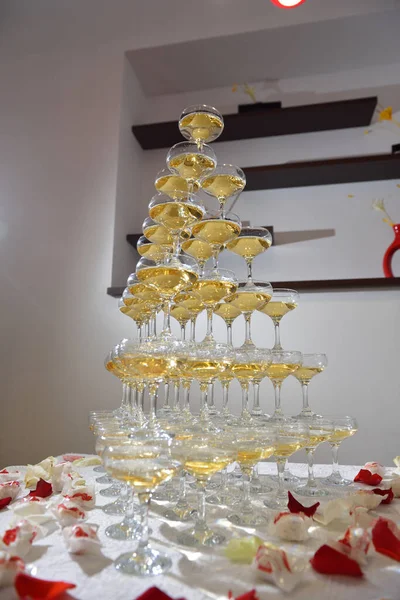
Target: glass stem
247, 340
182, 488
201, 523
215, 254
193, 329
229, 334
210, 396
209, 335
139, 331
167, 318
124, 399
224, 481
176, 396
256, 398
280, 463
245, 399
310, 461
277, 345
306, 406
249, 270
153, 389
144, 500
130, 506
183, 332
277, 390
246, 504
186, 397
335, 461
225, 397
203, 399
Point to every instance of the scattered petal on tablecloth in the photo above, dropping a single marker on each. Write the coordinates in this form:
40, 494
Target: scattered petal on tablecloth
9, 567
43, 489
59, 475
276, 566
17, 540
243, 549
72, 457
9, 475
88, 461
365, 498
42, 470
365, 476
10, 489
39, 589
5, 502
329, 561
83, 496
82, 539
386, 538
290, 527
375, 467
154, 593
356, 543
295, 506
333, 509
388, 493
68, 513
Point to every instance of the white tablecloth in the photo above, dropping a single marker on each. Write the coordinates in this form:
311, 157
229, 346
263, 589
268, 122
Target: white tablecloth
197, 575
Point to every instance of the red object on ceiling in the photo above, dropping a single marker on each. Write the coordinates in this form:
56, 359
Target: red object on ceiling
287, 3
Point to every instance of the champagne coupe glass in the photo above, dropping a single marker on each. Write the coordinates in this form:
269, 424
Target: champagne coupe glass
151, 250
290, 436
312, 365
174, 275
202, 457
320, 430
252, 445
192, 163
217, 230
343, 428
248, 298
175, 186
228, 312
143, 464
247, 364
157, 234
224, 182
201, 124
139, 312
282, 302
213, 287
251, 242
283, 363
200, 250
176, 215
181, 315
191, 302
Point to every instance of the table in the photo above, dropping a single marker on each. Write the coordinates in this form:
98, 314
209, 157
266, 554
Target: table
199, 575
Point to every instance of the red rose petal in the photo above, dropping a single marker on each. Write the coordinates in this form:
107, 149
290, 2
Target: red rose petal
384, 540
154, 593
71, 457
295, 506
365, 476
43, 489
5, 502
251, 595
39, 589
388, 493
329, 561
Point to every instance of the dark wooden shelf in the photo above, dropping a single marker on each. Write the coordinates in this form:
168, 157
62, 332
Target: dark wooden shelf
323, 172
328, 285
279, 121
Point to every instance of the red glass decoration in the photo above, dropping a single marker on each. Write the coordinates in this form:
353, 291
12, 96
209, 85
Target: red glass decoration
287, 3
394, 246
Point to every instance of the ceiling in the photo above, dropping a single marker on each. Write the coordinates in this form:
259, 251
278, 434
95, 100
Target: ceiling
278, 53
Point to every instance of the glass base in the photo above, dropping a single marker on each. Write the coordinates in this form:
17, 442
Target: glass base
312, 492
99, 469
165, 494
180, 512
115, 509
249, 517
200, 537
144, 562
340, 481
110, 492
228, 498
306, 415
260, 485
276, 503
289, 479
126, 530
105, 480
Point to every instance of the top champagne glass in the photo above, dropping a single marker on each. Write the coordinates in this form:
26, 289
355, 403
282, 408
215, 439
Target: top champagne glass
201, 124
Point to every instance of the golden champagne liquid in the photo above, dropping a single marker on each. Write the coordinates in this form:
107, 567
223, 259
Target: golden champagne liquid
141, 313
167, 280
173, 186
201, 127
202, 370
287, 447
176, 216
130, 301
191, 302
198, 249
212, 291
148, 366
315, 438
180, 314
268, 451
277, 310
124, 309
305, 374
338, 435
143, 474
191, 166
152, 251
280, 371
216, 232
249, 456
249, 246
250, 370
223, 186
158, 234
143, 292
228, 312
204, 469
248, 301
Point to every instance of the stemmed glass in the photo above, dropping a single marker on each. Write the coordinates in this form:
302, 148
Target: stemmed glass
247, 364
156, 252
313, 364
181, 315
201, 124
283, 363
282, 302
200, 250
226, 181
343, 428
320, 430
202, 457
251, 242
193, 304
290, 436
217, 230
189, 161
175, 186
143, 464
250, 296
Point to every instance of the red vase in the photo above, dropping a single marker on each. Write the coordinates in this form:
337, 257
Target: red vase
394, 246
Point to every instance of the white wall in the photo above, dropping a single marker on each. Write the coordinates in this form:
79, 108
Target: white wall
62, 72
